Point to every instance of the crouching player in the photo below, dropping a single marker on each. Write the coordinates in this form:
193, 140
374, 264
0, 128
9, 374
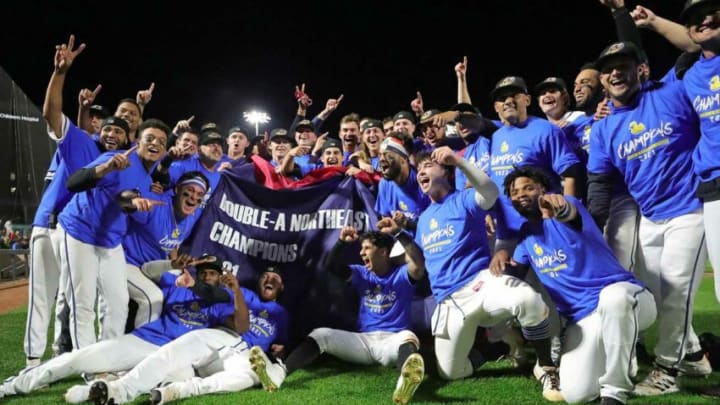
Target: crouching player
604, 305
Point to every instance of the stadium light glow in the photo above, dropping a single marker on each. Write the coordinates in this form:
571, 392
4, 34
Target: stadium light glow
256, 118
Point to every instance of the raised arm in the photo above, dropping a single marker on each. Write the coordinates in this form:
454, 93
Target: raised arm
241, 316
486, 192
413, 254
675, 33
463, 95
348, 234
86, 98
52, 107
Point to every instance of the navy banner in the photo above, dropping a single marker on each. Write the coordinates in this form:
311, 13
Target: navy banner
252, 227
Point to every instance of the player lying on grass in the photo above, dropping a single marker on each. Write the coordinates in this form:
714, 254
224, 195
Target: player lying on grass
603, 303
383, 334
188, 305
208, 360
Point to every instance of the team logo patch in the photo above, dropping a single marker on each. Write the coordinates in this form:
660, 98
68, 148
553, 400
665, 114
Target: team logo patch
264, 314
433, 223
403, 206
586, 130
504, 147
195, 306
176, 233
507, 81
615, 48
538, 250
636, 128
715, 83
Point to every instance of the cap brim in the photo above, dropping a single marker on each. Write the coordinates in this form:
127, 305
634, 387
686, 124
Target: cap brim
494, 93
543, 86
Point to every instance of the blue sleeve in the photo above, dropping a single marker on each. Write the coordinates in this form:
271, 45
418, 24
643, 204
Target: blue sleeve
559, 150
175, 170
521, 255
77, 148
598, 161
380, 204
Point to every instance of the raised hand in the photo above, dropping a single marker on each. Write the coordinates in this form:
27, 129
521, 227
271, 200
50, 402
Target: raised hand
643, 17
65, 55
86, 98
144, 96
461, 68
180, 261
552, 203
349, 234
388, 225
332, 104
602, 110
400, 219
613, 4
119, 161
319, 142
229, 280
302, 98
417, 104
445, 156
183, 125
146, 204
185, 280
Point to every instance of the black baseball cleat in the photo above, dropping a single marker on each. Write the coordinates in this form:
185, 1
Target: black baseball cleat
155, 396
99, 394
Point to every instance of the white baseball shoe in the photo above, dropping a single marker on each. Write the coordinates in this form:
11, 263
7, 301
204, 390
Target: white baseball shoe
550, 381
164, 395
77, 394
700, 368
658, 382
271, 375
411, 375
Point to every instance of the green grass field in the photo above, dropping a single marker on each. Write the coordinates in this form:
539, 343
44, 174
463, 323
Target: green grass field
333, 382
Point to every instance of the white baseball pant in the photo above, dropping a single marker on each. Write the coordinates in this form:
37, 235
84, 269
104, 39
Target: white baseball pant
175, 361
485, 301
42, 289
621, 231
363, 348
146, 294
119, 354
674, 256
597, 350
231, 372
712, 235
92, 270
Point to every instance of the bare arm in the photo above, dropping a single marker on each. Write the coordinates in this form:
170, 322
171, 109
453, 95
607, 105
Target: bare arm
675, 33
241, 317
463, 95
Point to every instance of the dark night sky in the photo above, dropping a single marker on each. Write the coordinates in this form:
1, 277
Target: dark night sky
216, 60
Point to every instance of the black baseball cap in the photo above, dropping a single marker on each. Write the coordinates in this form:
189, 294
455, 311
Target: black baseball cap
550, 83
695, 9
618, 49
209, 137
99, 111
509, 82
404, 115
305, 124
280, 134
210, 262
371, 123
118, 122
209, 126
331, 143
242, 130
428, 115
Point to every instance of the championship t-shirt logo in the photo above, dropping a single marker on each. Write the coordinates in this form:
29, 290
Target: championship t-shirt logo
715, 83
538, 250
636, 128
433, 224
403, 206
176, 233
504, 147
264, 314
195, 306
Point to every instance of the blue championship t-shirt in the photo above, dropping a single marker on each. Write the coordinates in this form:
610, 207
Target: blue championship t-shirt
478, 155
182, 312
573, 265
406, 198
651, 142
451, 234
384, 301
268, 322
702, 85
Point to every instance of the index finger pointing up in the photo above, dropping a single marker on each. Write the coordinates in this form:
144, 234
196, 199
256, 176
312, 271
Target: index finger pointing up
130, 151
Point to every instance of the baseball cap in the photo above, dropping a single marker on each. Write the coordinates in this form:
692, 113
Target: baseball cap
509, 82
209, 126
404, 115
331, 143
550, 83
371, 123
99, 111
280, 134
428, 115
697, 9
242, 130
209, 262
465, 108
305, 124
618, 49
209, 137
118, 122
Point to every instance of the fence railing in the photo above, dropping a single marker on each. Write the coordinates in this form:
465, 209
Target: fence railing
14, 264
